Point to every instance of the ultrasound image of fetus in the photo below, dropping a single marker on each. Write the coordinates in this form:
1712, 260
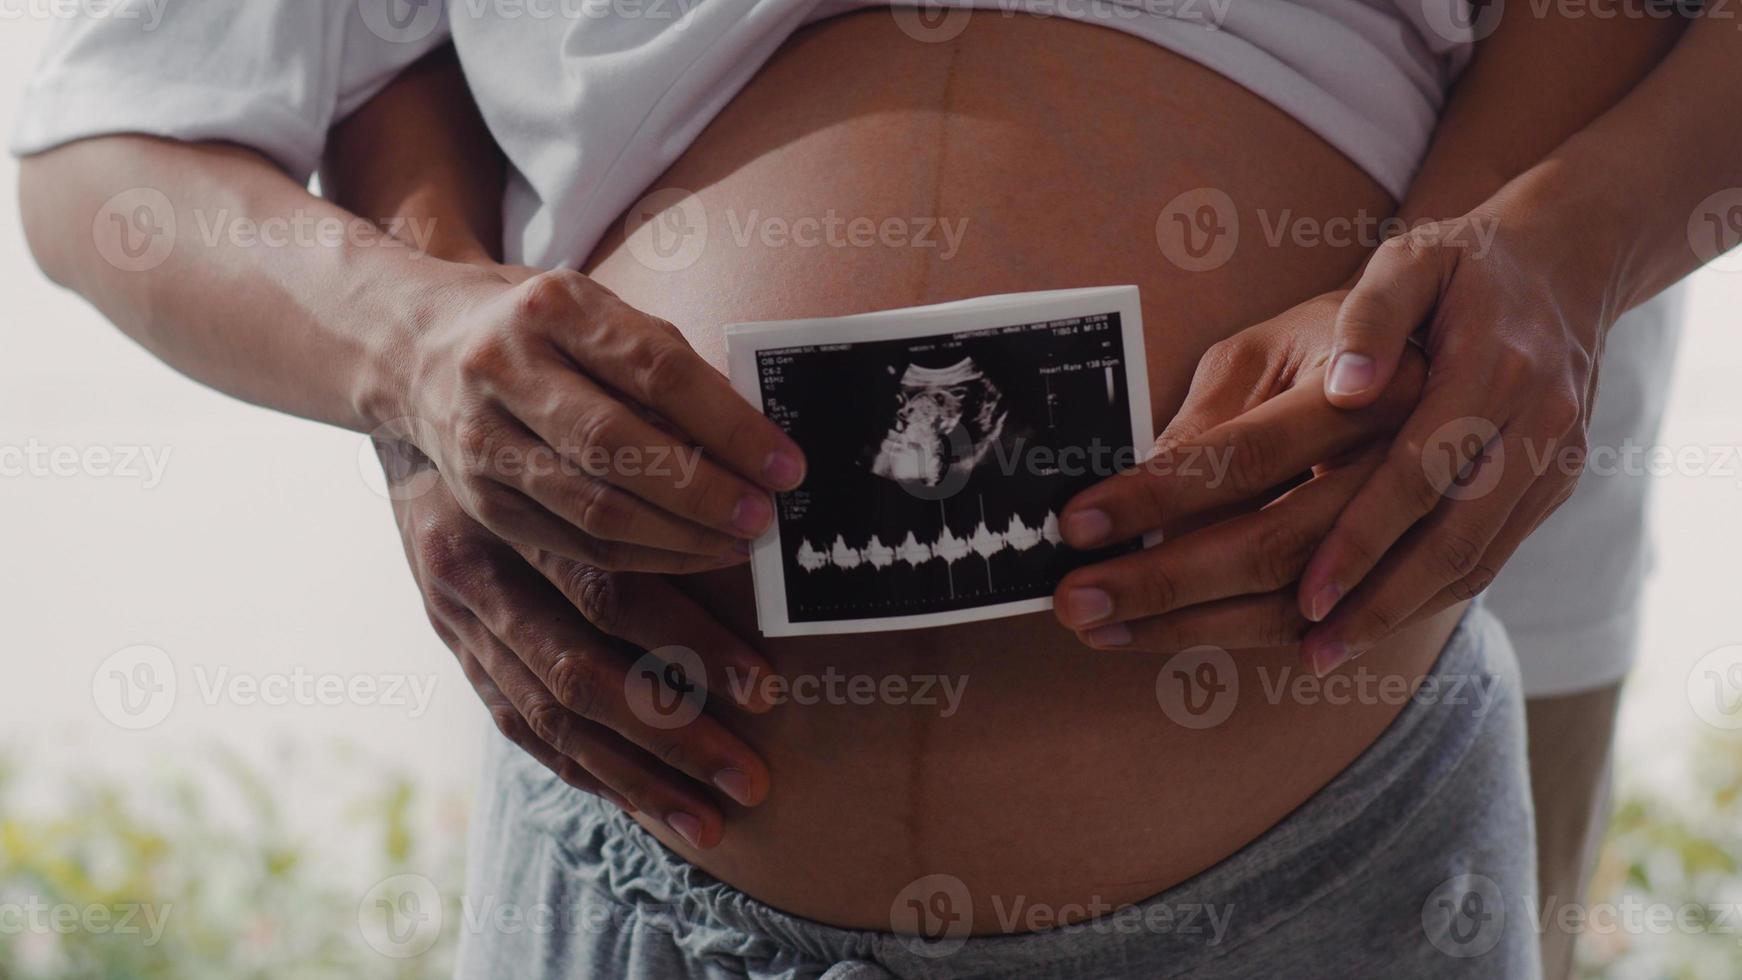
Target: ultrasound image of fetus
946, 420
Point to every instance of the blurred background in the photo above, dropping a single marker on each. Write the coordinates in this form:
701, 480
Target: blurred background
298, 747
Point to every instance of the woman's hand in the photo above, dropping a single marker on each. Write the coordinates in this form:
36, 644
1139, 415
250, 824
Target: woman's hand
565, 419
1498, 442
1255, 422
565, 685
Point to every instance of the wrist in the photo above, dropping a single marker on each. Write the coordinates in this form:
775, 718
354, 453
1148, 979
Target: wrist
1575, 228
421, 304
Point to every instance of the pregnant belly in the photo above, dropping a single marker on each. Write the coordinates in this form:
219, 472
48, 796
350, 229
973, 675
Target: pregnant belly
861, 170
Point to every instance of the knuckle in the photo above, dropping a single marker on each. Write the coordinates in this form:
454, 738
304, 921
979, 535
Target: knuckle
1562, 412
576, 681
1253, 457
509, 723
546, 718
1159, 591
485, 360
1277, 552
611, 556
594, 508
599, 429
597, 594
1381, 621
495, 509
449, 556
475, 438
1283, 626
666, 367
673, 752
545, 294
1473, 584
1230, 357
1456, 554
1408, 461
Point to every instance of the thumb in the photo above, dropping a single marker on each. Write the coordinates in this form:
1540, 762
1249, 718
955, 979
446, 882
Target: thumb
1395, 294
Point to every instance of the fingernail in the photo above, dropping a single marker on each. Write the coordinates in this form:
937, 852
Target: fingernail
1115, 635
752, 515
1087, 528
1324, 600
782, 470
687, 827
1351, 373
1327, 658
734, 783
1086, 606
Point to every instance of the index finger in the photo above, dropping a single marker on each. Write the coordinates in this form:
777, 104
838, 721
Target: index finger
647, 359
1232, 462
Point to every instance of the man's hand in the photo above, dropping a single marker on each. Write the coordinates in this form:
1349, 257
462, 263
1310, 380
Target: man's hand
1498, 442
565, 690
564, 418
1255, 422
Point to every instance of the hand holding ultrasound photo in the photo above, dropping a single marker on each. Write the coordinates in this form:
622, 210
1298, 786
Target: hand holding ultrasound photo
942, 441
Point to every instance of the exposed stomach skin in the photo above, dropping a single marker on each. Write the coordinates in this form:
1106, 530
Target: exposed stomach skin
1058, 780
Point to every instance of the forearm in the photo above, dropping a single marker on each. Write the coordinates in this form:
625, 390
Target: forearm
419, 155
1634, 188
1532, 84
268, 294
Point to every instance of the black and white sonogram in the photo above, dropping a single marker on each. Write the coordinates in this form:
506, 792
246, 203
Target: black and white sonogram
942, 443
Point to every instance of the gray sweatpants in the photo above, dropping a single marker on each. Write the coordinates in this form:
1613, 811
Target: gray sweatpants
1416, 861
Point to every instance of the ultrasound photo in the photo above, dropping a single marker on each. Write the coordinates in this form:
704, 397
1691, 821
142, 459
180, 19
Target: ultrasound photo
943, 442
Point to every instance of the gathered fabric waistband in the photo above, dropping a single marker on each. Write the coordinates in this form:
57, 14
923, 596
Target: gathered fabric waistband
1317, 849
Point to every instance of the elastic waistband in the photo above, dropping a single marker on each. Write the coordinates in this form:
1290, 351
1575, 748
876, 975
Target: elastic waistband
1315, 850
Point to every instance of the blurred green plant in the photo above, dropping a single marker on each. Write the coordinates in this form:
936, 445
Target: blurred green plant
198, 872
1670, 871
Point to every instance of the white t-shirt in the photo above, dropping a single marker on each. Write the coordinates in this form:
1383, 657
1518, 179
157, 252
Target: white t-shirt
593, 100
